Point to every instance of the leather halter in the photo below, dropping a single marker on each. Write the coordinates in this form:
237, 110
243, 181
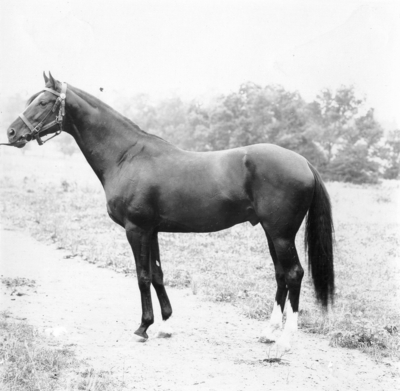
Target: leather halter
39, 128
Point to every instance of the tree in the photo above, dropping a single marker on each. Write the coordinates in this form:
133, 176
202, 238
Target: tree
198, 127
392, 155
259, 115
348, 138
352, 164
334, 114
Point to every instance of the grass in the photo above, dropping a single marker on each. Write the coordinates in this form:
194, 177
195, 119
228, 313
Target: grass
59, 205
31, 362
17, 282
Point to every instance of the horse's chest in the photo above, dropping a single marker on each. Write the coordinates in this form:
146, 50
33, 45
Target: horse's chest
130, 209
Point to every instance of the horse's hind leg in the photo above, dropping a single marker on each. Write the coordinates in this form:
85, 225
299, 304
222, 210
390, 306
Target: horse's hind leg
293, 273
275, 322
158, 284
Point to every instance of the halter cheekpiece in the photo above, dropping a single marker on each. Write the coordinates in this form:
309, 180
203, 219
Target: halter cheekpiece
58, 121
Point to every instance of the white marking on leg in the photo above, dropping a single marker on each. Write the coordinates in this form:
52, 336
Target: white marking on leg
165, 330
289, 331
275, 324
276, 316
291, 319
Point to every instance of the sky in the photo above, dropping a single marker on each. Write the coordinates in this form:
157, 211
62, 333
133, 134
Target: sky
196, 48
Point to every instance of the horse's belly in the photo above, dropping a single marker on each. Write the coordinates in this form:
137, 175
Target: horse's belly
211, 218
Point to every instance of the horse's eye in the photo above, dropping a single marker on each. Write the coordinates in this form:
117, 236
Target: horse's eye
42, 103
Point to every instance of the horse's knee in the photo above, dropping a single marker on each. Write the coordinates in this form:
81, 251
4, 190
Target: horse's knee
289, 263
144, 282
147, 319
294, 276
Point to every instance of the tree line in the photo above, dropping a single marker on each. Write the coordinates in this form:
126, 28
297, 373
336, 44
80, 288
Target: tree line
335, 132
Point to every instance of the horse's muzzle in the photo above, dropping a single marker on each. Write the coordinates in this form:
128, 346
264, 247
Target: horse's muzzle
19, 142
11, 133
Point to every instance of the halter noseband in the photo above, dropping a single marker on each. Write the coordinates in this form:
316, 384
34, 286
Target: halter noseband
39, 128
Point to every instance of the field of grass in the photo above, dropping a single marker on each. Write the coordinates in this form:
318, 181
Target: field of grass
31, 361
60, 201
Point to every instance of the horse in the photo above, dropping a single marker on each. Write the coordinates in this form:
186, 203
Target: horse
152, 186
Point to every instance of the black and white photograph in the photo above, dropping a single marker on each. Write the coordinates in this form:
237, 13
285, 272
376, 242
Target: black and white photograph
199, 195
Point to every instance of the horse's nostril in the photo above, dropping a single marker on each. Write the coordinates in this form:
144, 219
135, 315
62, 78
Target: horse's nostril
11, 132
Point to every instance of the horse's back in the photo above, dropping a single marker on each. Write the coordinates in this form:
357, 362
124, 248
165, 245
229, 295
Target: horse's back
208, 191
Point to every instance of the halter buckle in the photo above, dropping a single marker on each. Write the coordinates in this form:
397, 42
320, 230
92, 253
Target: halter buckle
39, 140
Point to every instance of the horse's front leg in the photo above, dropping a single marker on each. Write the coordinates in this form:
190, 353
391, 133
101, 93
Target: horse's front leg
140, 241
165, 329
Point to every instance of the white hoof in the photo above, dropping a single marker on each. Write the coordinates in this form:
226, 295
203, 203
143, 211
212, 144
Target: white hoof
289, 334
283, 344
165, 330
269, 334
274, 325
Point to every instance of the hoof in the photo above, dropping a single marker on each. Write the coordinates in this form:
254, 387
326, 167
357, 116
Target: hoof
165, 330
140, 336
283, 345
269, 335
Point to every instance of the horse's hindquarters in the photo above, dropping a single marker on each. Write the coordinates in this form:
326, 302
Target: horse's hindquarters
282, 188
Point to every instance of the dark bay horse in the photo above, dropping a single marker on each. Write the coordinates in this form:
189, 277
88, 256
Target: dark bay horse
152, 186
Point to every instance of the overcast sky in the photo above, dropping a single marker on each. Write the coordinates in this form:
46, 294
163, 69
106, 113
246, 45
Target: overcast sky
195, 48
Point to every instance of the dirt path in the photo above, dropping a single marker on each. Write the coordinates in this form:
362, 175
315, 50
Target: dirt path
213, 348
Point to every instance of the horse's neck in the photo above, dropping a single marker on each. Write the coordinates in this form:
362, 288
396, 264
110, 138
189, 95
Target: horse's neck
104, 136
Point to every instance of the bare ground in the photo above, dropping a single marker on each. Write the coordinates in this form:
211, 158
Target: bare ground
213, 348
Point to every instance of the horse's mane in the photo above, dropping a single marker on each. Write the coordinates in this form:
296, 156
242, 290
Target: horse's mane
98, 104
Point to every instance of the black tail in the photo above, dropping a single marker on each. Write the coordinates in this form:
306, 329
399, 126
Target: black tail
318, 240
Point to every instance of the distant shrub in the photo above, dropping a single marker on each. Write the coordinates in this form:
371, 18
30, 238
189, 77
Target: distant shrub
393, 155
352, 164
392, 172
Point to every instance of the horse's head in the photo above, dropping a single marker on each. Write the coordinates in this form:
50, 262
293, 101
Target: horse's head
43, 115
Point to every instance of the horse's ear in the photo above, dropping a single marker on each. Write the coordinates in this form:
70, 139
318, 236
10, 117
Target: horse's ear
46, 79
53, 81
